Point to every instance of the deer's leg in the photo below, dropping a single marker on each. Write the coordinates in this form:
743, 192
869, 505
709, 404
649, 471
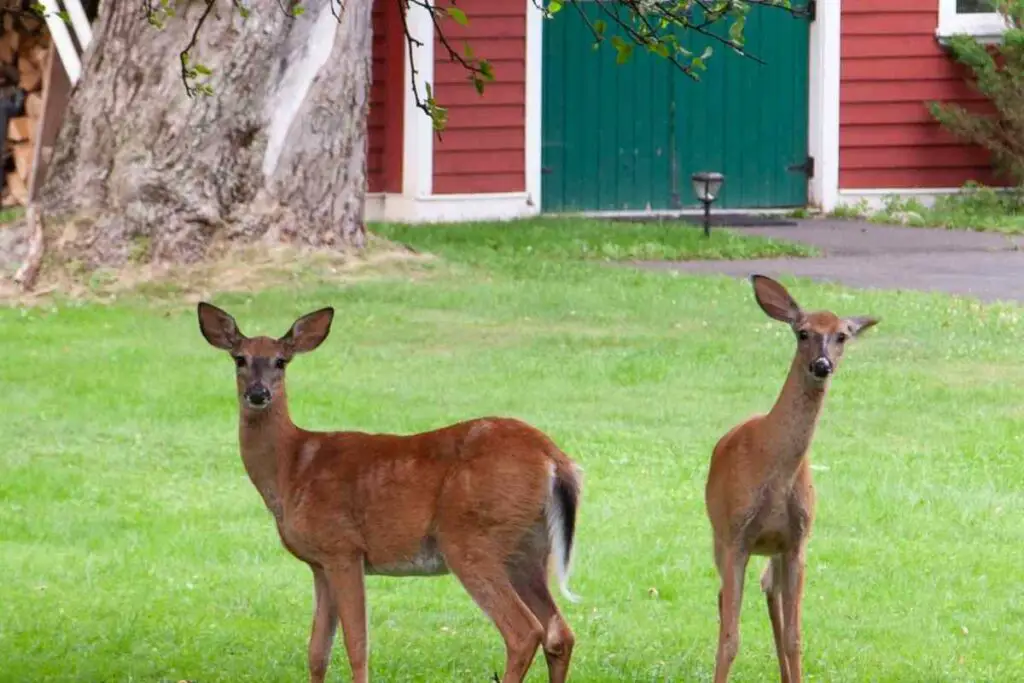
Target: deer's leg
530, 582
349, 593
733, 566
325, 623
771, 585
479, 565
792, 599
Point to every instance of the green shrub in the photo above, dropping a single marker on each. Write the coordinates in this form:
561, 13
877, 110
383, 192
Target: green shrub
997, 72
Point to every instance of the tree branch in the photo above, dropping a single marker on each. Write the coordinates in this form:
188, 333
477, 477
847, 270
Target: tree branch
412, 43
479, 70
439, 32
190, 72
652, 24
678, 15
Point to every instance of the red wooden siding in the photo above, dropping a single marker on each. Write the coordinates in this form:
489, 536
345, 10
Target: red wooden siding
892, 65
484, 144
384, 145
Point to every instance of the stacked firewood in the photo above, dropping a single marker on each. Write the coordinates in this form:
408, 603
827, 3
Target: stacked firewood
24, 51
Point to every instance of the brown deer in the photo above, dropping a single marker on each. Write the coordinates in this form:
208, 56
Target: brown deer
759, 494
489, 500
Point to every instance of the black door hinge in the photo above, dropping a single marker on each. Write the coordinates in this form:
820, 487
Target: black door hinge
807, 167
810, 10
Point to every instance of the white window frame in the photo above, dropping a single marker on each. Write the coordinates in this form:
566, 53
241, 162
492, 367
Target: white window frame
986, 26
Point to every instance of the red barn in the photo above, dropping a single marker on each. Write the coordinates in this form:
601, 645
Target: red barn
836, 113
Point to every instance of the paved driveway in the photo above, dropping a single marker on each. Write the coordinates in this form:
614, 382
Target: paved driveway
987, 266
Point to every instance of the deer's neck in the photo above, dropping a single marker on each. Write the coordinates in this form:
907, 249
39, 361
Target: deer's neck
791, 422
267, 438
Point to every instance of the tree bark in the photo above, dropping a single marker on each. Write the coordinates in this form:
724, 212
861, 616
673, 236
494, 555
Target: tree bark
143, 172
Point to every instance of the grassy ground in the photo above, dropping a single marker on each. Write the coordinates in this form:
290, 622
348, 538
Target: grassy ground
133, 548
571, 239
976, 208
545, 239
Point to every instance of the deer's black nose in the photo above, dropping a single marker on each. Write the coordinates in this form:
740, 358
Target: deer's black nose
258, 395
822, 367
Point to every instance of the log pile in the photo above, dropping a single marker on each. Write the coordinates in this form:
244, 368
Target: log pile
24, 51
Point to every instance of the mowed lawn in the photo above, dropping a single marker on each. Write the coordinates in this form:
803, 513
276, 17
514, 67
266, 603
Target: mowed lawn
134, 548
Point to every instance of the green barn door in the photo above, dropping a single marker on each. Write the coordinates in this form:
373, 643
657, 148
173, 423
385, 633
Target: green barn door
628, 137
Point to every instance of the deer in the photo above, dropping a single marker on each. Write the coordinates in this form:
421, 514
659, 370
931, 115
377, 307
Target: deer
491, 500
759, 494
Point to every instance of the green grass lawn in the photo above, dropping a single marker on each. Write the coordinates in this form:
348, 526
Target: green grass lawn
571, 238
134, 548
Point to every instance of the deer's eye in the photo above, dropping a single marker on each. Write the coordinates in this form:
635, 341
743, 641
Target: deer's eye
841, 337
279, 363
802, 335
239, 361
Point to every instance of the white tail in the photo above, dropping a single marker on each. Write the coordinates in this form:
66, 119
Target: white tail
561, 526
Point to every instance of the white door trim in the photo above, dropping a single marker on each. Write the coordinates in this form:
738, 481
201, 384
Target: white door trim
417, 128
534, 94
823, 100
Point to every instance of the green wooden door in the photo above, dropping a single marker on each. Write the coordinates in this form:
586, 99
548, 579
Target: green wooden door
628, 137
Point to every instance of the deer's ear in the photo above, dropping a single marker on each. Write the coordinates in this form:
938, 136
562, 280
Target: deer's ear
309, 331
860, 323
219, 328
774, 300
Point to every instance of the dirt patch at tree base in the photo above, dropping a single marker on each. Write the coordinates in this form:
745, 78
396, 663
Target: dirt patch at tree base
230, 268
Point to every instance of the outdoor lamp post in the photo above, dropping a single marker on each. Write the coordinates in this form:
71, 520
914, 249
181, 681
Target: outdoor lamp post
706, 185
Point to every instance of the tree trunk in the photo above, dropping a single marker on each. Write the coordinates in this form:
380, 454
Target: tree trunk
278, 151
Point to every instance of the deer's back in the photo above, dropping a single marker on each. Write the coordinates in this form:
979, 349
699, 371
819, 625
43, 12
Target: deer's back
392, 497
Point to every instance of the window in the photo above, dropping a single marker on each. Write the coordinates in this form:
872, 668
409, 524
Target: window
973, 6
976, 17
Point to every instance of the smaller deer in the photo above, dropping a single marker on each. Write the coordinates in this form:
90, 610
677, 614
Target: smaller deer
759, 495
490, 500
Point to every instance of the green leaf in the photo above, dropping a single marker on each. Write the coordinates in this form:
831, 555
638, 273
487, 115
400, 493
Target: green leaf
486, 70
438, 115
600, 27
203, 69
624, 50
298, 11
64, 16
554, 7
478, 83
736, 30
458, 15
467, 50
